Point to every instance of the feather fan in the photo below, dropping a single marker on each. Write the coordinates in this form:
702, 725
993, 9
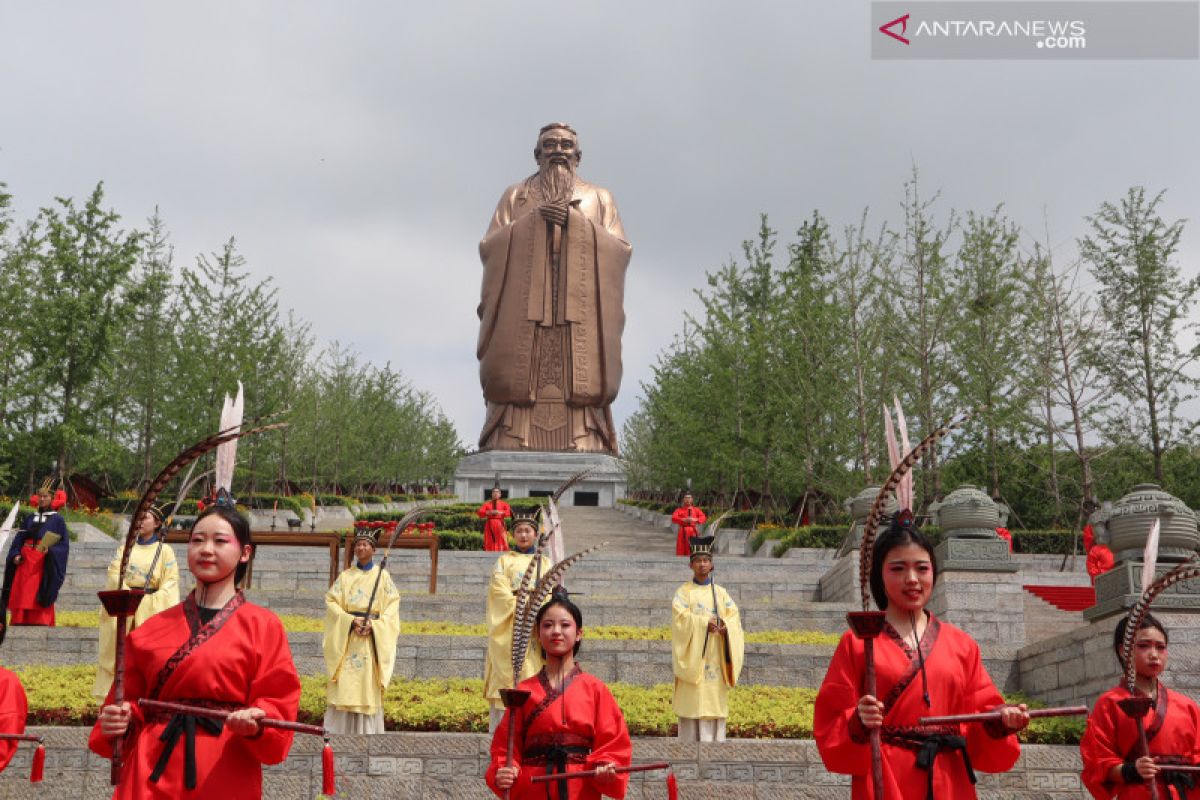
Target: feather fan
1150, 556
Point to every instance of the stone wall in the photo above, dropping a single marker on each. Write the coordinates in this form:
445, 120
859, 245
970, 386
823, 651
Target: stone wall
439, 766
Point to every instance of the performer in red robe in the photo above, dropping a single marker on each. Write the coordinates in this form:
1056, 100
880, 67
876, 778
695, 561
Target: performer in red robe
1112, 762
35, 569
495, 535
945, 675
687, 517
215, 649
14, 708
570, 723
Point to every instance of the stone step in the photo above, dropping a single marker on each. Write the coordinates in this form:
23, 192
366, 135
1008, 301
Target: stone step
639, 662
445, 766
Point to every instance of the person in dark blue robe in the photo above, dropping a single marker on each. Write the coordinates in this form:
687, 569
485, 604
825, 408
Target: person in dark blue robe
34, 569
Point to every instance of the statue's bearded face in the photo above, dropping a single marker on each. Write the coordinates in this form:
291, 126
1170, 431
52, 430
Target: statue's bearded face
557, 155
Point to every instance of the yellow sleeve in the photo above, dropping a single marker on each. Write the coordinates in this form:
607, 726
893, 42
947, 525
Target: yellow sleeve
737, 637
687, 638
337, 628
386, 629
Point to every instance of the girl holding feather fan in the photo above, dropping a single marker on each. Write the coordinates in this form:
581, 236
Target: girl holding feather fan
923, 667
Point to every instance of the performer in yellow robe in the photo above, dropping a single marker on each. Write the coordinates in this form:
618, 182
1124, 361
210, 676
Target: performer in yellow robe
707, 646
360, 652
501, 605
150, 568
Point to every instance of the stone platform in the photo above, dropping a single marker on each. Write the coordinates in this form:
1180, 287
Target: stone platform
446, 766
525, 474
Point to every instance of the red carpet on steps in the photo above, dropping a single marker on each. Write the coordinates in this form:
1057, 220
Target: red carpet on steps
1068, 598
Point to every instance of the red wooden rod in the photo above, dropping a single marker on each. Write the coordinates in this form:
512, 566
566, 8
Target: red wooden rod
20, 737
214, 713
591, 773
991, 716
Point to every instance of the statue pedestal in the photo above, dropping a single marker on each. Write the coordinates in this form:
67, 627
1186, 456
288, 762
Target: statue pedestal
841, 584
1119, 588
524, 473
979, 590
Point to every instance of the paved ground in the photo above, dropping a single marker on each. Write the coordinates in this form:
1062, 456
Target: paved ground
625, 534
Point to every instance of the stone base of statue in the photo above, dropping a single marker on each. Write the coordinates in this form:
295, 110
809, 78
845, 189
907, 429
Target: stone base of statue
841, 584
526, 473
1119, 588
974, 555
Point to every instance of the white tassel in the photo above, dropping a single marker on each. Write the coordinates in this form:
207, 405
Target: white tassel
1150, 557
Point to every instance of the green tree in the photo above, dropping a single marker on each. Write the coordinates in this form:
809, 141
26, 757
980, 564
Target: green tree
1144, 301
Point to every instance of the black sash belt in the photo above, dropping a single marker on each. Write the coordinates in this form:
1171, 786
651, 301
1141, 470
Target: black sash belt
183, 725
555, 758
1180, 782
929, 743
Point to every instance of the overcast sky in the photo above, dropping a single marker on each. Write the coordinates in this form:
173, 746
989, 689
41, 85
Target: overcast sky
356, 150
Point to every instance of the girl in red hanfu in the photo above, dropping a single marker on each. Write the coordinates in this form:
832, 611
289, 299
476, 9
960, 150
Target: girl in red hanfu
13, 710
924, 667
495, 535
570, 722
216, 650
688, 517
1110, 747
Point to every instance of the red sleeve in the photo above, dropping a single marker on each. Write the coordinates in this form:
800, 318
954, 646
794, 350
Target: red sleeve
678, 516
699, 515
836, 706
610, 741
988, 752
275, 689
505, 510
1098, 748
499, 746
13, 710
482, 512
135, 687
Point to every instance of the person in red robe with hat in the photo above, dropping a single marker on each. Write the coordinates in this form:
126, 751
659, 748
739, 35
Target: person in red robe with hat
495, 511
216, 650
36, 564
688, 517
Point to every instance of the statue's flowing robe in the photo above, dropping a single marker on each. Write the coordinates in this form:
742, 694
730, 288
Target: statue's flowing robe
957, 683
163, 592
702, 678
583, 303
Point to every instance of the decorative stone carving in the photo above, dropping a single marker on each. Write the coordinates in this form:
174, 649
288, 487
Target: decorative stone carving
1130, 519
968, 513
859, 508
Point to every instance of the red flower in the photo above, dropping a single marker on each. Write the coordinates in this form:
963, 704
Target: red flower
1006, 536
1099, 561
1089, 538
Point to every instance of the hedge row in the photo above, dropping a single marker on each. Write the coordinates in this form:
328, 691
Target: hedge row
62, 696
1046, 542
456, 517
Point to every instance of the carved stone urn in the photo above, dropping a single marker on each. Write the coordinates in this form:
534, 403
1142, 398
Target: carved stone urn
859, 507
1130, 518
968, 513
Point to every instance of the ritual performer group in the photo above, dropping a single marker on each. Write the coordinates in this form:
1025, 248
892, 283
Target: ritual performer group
687, 517
707, 646
925, 667
36, 564
152, 569
1113, 763
501, 607
362, 627
569, 723
214, 650
494, 511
